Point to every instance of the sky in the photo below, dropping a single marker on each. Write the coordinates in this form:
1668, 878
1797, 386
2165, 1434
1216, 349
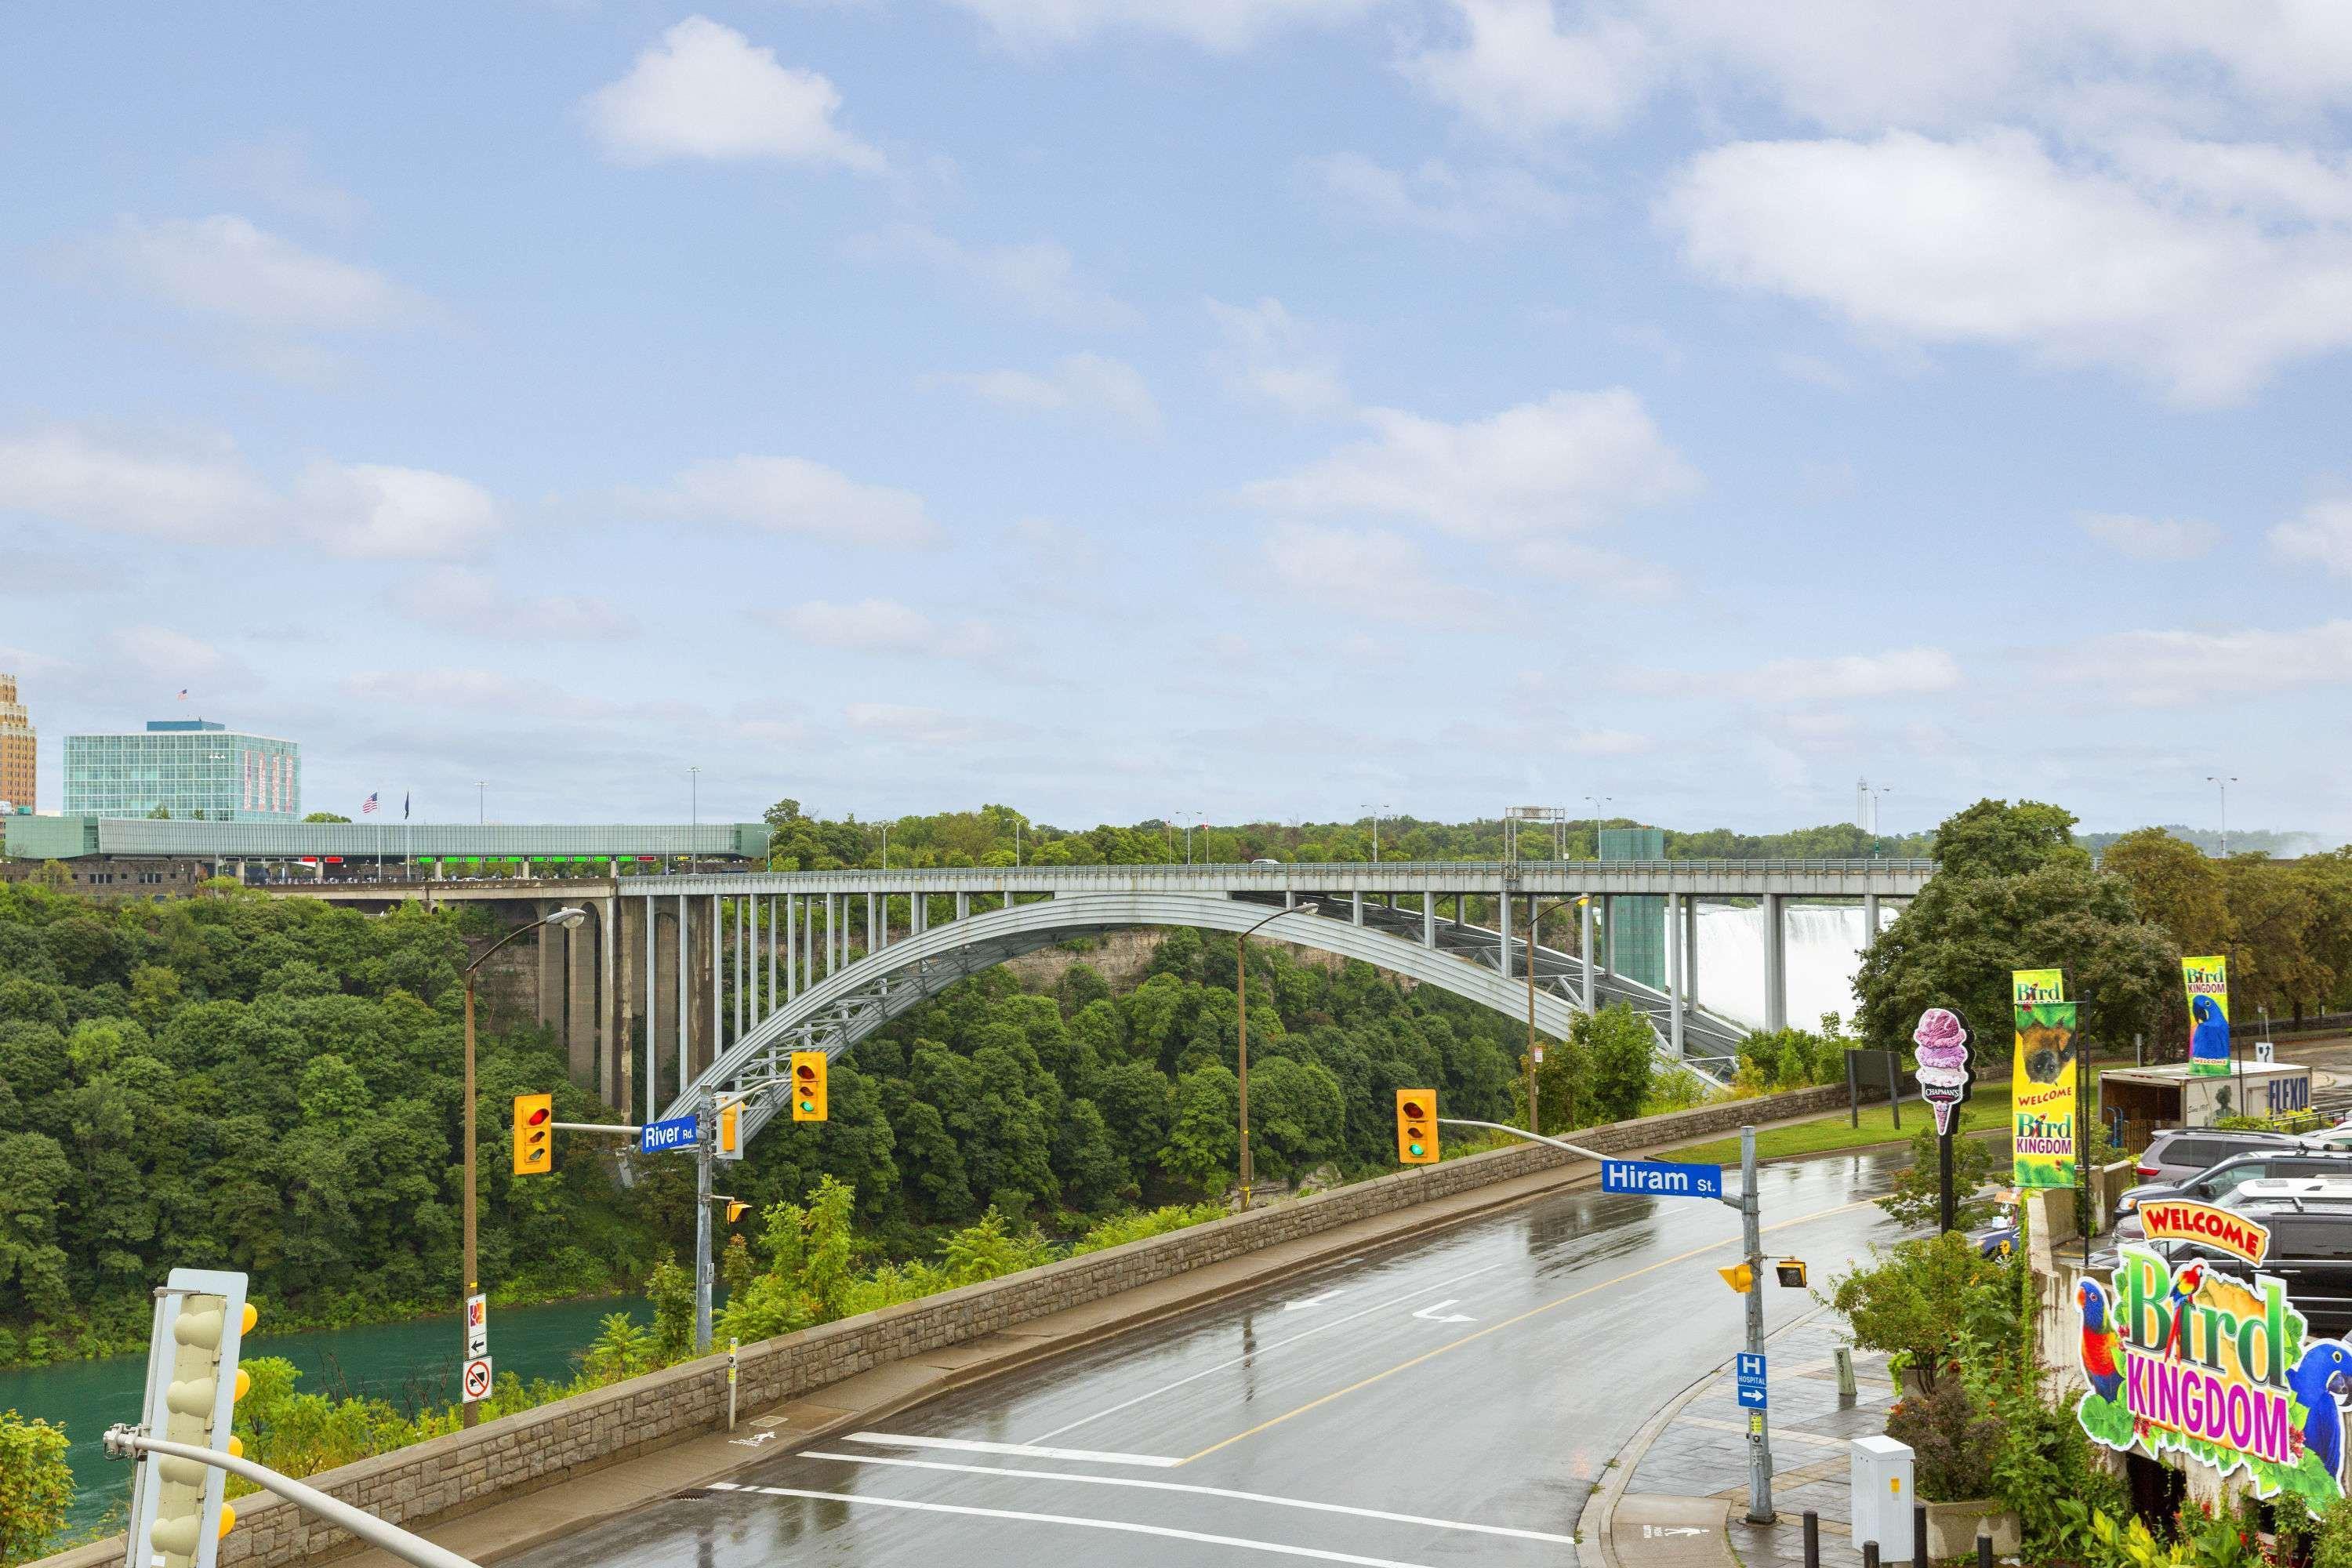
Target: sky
1234, 409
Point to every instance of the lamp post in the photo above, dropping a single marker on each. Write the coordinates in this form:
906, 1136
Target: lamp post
568, 918
1534, 934
2224, 782
694, 819
1596, 802
1241, 1016
1376, 811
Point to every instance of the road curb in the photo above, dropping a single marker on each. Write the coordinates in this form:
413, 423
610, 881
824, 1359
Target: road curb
1594, 1524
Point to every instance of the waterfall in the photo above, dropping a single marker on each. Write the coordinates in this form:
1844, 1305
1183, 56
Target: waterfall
1823, 945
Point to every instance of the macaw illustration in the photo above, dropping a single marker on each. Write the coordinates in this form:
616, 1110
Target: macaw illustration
2185, 1286
2209, 1040
2323, 1375
2101, 1361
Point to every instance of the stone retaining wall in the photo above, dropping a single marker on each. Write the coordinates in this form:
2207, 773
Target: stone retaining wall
462, 1472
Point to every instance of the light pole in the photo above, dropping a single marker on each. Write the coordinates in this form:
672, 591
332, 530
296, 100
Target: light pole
481, 802
568, 918
1376, 811
1534, 934
2224, 782
1241, 1017
1596, 802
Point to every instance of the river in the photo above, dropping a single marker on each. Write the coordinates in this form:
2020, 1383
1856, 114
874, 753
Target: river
409, 1364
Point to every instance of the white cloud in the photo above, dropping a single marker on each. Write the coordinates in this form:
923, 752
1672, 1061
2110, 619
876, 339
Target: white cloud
1223, 25
917, 726
168, 657
2322, 534
1992, 240
1434, 199
1372, 574
886, 626
185, 495
1269, 354
707, 92
379, 511
476, 603
1519, 72
1902, 672
1040, 278
2172, 669
1088, 383
1572, 461
224, 266
794, 495
2150, 538
1603, 570
279, 171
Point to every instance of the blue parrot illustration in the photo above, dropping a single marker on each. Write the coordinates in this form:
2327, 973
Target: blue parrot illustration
2101, 1364
2208, 1041
2325, 1370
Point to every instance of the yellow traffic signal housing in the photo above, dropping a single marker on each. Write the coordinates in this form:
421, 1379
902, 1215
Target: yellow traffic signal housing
1739, 1277
534, 1135
808, 1086
192, 1390
735, 1207
1792, 1271
1417, 1126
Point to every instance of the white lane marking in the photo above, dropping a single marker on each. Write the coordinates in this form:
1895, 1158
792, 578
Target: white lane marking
1310, 1302
1324, 1327
1024, 1450
1205, 1491
1434, 1308
1118, 1524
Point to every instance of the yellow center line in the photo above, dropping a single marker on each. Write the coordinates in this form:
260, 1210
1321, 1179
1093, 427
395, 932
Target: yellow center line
1523, 1317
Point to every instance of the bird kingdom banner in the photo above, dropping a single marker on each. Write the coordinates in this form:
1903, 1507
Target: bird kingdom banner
2042, 1097
2183, 1359
2208, 983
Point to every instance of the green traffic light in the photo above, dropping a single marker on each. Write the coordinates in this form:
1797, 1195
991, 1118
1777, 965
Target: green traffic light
808, 1105
1417, 1150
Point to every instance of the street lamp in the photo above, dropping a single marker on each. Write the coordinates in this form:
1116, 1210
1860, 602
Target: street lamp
1376, 811
694, 819
1240, 1014
2224, 783
1534, 934
568, 918
1596, 802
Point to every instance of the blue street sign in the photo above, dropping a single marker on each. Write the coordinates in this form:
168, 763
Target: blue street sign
677, 1133
1751, 1382
1661, 1179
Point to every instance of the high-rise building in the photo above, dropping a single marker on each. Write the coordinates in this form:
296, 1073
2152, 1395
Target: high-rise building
189, 767
20, 747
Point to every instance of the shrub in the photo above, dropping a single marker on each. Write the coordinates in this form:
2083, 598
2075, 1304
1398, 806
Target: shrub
36, 1487
1925, 1300
1955, 1442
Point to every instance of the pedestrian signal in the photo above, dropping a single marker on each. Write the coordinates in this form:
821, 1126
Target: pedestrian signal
1417, 1126
534, 1135
1792, 1271
808, 1086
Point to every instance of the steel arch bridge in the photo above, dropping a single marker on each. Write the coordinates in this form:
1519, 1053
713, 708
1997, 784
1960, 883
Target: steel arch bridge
837, 1012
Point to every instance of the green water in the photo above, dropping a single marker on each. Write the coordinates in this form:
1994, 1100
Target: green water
410, 1364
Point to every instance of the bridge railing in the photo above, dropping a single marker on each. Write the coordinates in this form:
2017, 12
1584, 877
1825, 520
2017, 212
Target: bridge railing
1855, 866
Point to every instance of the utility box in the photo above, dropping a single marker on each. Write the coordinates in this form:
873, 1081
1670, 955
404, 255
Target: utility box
1882, 1496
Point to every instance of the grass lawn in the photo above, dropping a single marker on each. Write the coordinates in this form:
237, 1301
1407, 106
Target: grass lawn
1987, 1110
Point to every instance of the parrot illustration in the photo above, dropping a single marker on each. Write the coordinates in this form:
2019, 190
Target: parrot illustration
2101, 1362
2209, 1040
2324, 1371
2185, 1286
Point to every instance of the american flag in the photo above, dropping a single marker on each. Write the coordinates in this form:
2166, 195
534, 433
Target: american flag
183, 694
368, 809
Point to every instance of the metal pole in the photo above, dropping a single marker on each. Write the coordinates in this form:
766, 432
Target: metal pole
704, 1140
730, 1383
1813, 1540
467, 1408
124, 1442
1241, 1020
1759, 1440
1534, 1124
1948, 1203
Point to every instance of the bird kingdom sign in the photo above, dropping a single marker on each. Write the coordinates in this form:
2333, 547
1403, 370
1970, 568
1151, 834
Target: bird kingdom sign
2184, 1361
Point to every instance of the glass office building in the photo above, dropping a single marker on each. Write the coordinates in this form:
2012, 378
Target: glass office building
1637, 921
195, 770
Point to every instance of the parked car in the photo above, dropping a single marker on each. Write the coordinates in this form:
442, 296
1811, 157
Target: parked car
2218, 1182
2310, 1222
2179, 1152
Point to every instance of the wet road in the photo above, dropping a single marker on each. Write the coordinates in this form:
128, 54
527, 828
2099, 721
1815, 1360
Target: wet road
1453, 1399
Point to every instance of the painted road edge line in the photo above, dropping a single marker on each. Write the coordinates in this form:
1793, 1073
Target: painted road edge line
1124, 1526
1018, 1450
1204, 1491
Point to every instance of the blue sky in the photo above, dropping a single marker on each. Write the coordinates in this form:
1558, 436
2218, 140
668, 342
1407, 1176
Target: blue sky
1244, 407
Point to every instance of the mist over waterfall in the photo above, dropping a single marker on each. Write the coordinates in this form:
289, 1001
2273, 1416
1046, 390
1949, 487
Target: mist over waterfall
1824, 950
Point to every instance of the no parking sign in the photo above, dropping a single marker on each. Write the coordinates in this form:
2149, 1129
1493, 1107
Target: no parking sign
477, 1379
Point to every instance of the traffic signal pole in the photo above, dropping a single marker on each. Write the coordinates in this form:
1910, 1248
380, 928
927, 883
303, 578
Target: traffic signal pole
124, 1442
706, 1144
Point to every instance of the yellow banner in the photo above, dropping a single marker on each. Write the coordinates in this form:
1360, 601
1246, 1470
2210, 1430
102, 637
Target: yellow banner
2041, 1098
2208, 983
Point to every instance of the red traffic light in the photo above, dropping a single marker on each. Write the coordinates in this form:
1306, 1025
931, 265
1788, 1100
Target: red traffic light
539, 1115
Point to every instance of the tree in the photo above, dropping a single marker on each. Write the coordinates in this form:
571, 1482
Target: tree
1919, 1300
2175, 885
161, 813
325, 816
1917, 1195
1994, 839
1203, 1146
36, 1487
1620, 1048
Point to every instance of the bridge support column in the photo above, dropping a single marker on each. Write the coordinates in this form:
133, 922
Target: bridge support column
1356, 907
1775, 961
742, 965
1869, 921
1690, 950
878, 921
963, 906
1609, 936
1429, 920
1503, 931
707, 1020
681, 955
790, 915
1675, 954
918, 913
579, 1004
611, 1004
1584, 949
549, 1008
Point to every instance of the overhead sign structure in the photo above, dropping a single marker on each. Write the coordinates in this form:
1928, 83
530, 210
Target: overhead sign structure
660, 1137
1660, 1178
477, 1379
1750, 1371
2179, 1219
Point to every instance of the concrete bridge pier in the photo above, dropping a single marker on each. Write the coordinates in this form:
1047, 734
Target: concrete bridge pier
1776, 960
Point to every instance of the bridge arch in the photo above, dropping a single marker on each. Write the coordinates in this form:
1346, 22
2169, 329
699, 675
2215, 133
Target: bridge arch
844, 1008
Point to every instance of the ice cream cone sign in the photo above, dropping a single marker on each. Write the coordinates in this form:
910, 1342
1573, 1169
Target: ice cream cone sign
1945, 1074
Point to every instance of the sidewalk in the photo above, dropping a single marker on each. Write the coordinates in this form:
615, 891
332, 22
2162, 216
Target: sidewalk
1675, 1467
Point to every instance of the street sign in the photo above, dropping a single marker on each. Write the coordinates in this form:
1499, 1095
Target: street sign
677, 1133
478, 1327
477, 1379
1659, 1178
1751, 1382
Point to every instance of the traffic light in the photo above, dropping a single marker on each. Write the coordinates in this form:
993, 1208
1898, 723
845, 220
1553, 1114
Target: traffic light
808, 1086
1416, 1113
1792, 1271
534, 1135
1739, 1277
735, 1207
193, 1385
730, 1129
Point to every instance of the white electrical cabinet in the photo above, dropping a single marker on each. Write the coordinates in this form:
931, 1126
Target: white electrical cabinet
1882, 1496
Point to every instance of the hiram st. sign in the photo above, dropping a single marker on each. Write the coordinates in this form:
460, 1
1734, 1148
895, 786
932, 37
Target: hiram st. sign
1658, 1178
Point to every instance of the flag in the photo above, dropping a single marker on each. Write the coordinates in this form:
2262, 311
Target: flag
183, 694
367, 808
404, 806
